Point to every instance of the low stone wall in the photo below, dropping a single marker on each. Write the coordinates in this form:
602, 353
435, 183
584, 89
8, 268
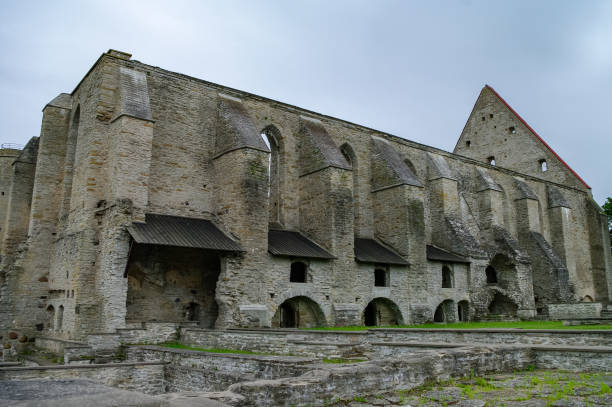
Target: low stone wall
150, 333
188, 370
146, 377
345, 382
348, 344
574, 359
496, 336
574, 311
281, 342
57, 345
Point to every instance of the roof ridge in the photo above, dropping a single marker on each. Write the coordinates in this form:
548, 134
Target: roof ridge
518, 116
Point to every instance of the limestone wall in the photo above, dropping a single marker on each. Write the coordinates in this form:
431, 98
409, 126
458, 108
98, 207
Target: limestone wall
134, 139
146, 377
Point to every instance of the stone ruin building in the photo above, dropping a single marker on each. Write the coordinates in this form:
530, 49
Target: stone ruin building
155, 196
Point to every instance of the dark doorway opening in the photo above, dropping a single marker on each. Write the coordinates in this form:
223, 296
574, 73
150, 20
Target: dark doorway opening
382, 312
491, 275
369, 315
298, 312
463, 311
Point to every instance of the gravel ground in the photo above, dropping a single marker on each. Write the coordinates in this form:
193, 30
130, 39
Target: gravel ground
540, 388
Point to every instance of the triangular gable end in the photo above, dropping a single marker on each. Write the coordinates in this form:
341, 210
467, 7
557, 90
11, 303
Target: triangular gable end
494, 130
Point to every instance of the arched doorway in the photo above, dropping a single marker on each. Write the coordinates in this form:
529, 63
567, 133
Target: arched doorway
503, 306
463, 311
382, 312
491, 275
298, 312
445, 312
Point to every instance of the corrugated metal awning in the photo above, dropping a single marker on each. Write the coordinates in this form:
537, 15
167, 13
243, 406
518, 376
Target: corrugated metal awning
167, 230
370, 251
437, 254
294, 244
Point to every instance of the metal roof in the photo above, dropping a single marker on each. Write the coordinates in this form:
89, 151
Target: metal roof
287, 243
437, 254
370, 251
167, 230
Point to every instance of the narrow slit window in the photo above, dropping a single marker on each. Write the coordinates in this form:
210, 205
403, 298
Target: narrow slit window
468, 143
543, 165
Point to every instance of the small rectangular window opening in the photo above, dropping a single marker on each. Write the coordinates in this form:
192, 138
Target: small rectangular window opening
491, 160
380, 278
512, 130
543, 165
468, 143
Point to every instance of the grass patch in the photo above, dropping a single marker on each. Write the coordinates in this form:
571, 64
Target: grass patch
343, 360
475, 325
176, 345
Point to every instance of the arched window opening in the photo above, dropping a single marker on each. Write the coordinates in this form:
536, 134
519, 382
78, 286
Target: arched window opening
381, 278
298, 272
463, 311
271, 136
447, 277
60, 317
587, 298
382, 312
491, 275
543, 165
351, 158
491, 160
51, 317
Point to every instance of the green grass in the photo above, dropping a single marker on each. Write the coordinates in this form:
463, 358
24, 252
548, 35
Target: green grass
176, 345
476, 325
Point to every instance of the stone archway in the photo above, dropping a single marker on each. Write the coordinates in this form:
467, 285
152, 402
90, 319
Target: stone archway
445, 312
381, 312
298, 312
503, 306
502, 272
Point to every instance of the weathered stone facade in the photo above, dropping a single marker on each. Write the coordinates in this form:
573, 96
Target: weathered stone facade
452, 236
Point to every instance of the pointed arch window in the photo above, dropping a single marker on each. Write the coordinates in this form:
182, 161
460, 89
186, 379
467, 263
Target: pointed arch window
271, 137
351, 158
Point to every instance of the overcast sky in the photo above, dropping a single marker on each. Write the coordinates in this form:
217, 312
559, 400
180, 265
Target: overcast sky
412, 69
